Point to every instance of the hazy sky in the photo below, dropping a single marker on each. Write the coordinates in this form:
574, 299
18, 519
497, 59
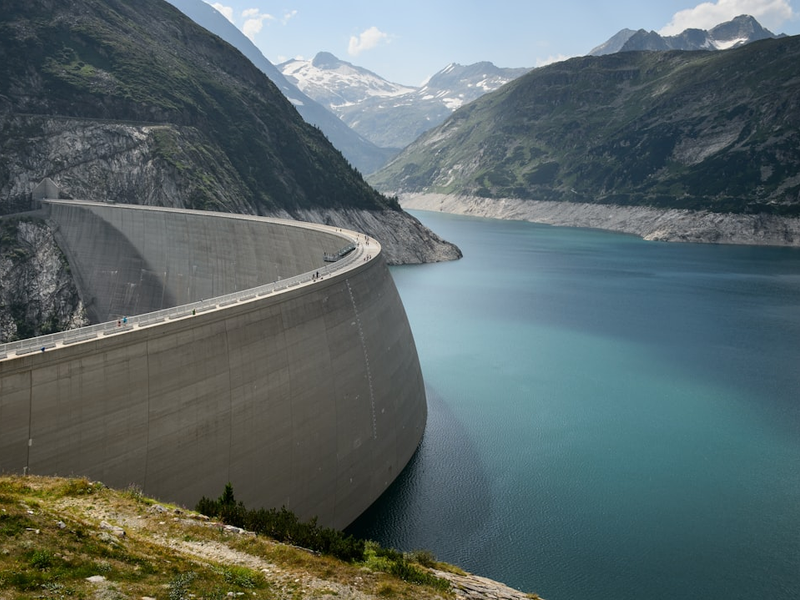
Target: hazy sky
410, 40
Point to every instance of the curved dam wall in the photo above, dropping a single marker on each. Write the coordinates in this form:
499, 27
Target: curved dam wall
131, 260
311, 397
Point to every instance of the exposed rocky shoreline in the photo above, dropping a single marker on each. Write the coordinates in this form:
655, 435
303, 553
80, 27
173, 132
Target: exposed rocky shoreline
648, 223
405, 240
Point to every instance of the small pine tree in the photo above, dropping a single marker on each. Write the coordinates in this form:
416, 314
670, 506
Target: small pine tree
227, 498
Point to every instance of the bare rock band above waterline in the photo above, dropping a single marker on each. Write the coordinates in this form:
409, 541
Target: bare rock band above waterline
672, 225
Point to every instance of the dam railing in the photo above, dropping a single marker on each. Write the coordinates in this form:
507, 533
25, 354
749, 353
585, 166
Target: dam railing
43, 343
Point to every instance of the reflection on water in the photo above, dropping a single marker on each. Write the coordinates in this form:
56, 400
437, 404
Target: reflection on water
425, 492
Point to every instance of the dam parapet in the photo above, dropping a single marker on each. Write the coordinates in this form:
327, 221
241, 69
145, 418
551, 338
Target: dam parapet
345, 257
254, 361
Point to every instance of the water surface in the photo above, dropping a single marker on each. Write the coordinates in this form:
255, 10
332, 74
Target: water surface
609, 417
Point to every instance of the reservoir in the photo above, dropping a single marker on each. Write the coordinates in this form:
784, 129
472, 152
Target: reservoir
609, 418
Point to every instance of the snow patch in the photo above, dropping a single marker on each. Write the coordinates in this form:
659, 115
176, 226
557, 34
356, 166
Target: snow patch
453, 103
726, 44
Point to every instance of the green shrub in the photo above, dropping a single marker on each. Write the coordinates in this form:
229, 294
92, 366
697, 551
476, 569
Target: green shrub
179, 586
41, 559
241, 576
13, 525
79, 487
389, 560
424, 558
283, 526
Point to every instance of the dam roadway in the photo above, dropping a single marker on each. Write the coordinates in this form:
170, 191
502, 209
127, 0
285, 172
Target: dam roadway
227, 350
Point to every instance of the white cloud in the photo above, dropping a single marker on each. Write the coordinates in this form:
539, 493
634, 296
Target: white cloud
282, 58
365, 41
227, 11
254, 21
770, 13
288, 15
543, 62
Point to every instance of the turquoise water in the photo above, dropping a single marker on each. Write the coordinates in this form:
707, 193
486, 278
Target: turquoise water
609, 418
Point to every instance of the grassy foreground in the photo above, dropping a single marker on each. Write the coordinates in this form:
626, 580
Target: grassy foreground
73, 538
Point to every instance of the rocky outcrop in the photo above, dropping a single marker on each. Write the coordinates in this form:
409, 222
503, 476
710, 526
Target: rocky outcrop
670, 225
113, 161
474, 587
404, 239
37, 292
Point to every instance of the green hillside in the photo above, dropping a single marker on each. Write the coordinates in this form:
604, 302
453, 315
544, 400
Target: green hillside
74, 538
699, 130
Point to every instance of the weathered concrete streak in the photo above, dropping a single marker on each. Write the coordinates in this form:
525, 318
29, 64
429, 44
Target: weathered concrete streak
311, 398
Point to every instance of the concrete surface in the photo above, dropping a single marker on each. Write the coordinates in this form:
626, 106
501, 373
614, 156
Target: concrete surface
310, 398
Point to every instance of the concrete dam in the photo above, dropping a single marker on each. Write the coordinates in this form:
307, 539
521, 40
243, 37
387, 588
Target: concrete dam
272, 354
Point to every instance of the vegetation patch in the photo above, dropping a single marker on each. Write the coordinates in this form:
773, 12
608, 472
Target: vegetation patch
404, 566
74, 538
283, 526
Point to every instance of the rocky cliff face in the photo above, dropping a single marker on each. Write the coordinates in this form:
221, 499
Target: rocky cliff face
405, 240
37, 292
167, 165
102, 161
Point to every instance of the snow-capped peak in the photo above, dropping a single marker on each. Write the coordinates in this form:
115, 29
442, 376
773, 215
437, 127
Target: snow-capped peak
389, 114
336, 82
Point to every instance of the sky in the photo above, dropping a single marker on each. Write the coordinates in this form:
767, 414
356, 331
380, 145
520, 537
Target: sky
407, 42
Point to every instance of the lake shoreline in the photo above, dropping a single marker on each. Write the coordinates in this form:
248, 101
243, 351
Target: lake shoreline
652, 224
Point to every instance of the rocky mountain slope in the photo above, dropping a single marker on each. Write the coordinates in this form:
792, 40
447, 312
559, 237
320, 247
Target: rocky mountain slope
716, 131
388, 114
73, 538
362, 154
739, 31
37, 292
134, 102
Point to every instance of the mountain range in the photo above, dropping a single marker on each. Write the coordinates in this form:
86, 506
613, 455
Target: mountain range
366, 117
739, 31
716, 131
381, 117
388, 114
393, 115
362, 154
134, 102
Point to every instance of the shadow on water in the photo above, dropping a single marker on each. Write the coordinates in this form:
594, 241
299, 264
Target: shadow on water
417, 511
